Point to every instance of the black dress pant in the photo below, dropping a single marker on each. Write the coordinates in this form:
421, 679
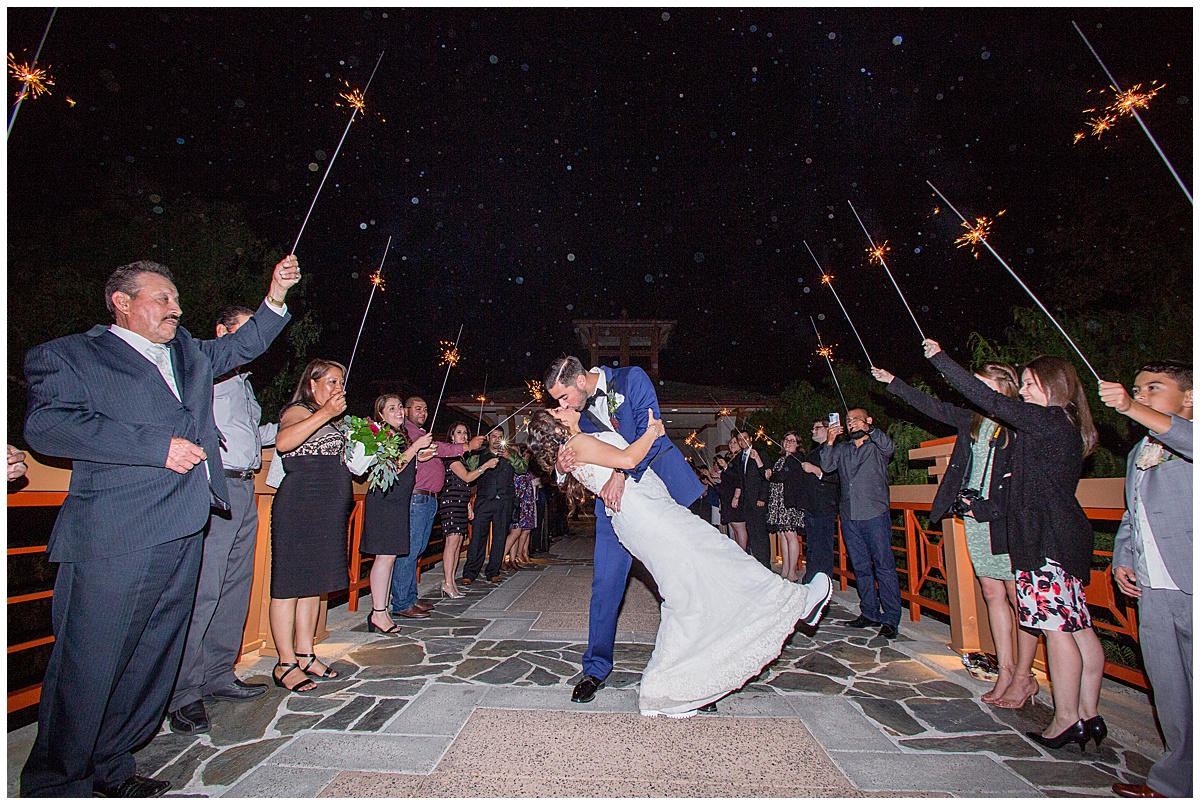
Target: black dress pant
758, 537
119, 629
491, 515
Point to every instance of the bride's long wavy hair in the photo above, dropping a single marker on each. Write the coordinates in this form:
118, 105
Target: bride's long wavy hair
546, 436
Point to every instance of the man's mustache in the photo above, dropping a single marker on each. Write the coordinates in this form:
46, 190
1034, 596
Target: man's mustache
172, 318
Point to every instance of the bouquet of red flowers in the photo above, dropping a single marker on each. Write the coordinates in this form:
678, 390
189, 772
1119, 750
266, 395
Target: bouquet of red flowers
374, 448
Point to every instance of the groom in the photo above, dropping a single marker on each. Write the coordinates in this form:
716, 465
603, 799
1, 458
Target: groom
613, 400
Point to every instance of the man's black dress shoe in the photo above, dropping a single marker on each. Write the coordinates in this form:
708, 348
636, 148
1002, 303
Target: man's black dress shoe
188, 720
135, 786
585, 691
861, 622
711, 707
889, 632
237, 690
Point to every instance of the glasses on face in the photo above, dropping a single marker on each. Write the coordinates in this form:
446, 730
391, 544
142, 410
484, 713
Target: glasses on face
791, 439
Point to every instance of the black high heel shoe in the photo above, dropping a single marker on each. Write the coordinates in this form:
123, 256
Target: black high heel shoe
371, 627
1096, 729
1076, 733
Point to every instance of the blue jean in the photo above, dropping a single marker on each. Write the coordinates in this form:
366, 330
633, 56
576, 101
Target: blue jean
869, 543
421, 512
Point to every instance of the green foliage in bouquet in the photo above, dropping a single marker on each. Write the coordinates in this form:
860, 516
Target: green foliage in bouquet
378, 439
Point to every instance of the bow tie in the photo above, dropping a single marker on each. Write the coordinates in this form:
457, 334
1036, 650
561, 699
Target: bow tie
597, 395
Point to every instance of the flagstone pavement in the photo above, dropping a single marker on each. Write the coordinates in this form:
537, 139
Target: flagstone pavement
475, 701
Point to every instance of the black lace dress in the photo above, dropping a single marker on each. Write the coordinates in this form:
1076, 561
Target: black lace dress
309, 518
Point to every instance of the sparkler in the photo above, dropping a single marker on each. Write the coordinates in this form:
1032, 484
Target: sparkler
828, 280
25, 76
1008, 268
513, 414
356, 100
693, 441
1128, 103
826, 352
449, 358
376, 285
482, 399
876, 255
976, 234
536, 390
35, 81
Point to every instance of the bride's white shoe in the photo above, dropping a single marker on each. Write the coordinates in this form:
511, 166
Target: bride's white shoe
653, 713
820, 590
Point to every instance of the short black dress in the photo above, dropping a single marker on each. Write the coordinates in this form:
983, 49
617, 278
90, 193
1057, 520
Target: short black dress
385, 515
452, 505
309, 518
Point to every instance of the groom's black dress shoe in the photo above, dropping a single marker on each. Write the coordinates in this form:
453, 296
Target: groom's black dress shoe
135, 786
237, 690
585, 691
711, 707
861, 622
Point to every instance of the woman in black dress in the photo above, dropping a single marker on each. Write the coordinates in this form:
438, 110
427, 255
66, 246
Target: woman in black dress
308, 521
1050, 539
385, 515
454, 507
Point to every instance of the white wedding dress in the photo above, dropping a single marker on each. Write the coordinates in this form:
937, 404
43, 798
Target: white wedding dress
724, 616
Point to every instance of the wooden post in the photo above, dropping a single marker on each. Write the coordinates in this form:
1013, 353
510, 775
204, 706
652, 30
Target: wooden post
969, 625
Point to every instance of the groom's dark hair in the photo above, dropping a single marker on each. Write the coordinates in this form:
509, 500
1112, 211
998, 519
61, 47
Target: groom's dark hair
564, 371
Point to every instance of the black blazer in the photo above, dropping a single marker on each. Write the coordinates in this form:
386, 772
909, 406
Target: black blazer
821, 496
990, 509
753, 479
790, 475
1042, 514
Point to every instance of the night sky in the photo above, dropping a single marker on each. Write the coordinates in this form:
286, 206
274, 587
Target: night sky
540, 166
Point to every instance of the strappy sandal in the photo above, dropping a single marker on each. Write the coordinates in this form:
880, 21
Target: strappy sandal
298, 687
329, 673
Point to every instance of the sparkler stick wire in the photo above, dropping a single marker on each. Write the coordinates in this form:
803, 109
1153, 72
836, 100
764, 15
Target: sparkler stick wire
829, 363
829, 282
513, 414
24, 92
451, 359
1020, 282
1137, 117
882, 262
374, 286
482, 400
336, 151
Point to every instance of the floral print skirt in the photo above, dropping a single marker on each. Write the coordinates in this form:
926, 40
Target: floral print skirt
1051, 599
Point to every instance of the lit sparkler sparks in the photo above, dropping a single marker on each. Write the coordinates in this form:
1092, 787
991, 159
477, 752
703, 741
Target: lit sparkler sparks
536, 390
357, 101
376, 285
1008, 268
826, 352
876, 253
828, 280
724, 412
450, 356
693, 441
977, 234
27, 75
35, 81
354, 99
1128, 103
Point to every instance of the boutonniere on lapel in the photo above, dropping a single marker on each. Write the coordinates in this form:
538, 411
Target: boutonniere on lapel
1152, 455
615, 401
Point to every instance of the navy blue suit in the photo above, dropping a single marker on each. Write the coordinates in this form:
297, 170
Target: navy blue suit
127, 539
612, 561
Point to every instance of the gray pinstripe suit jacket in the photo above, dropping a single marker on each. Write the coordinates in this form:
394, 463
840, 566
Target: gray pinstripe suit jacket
1167, 498
96, 400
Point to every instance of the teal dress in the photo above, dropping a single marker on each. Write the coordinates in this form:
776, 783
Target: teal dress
979, 538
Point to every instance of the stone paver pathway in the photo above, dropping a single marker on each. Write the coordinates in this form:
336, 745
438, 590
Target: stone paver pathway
862, 714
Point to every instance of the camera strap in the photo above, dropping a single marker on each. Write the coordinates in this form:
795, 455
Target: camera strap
986, 464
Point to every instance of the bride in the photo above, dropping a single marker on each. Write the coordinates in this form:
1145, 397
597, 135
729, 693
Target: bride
724, 616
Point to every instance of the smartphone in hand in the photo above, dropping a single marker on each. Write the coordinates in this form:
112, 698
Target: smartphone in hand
835, 418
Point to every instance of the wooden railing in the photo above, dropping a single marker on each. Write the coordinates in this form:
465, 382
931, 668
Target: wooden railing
921, 558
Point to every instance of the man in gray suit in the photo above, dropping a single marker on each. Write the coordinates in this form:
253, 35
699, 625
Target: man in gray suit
1152, 558
227, 567
131, 404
